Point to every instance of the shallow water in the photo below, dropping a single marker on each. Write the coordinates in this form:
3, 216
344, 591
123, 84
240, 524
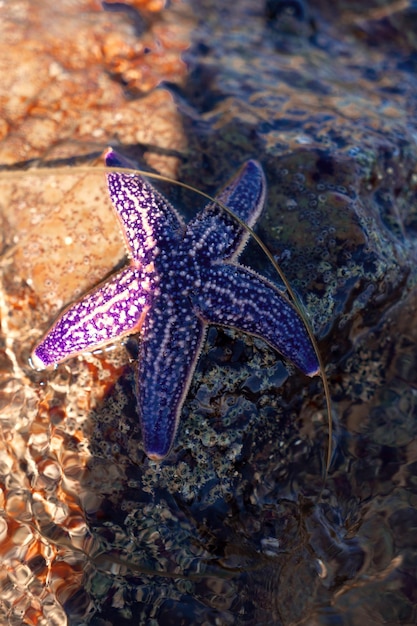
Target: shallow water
236, 526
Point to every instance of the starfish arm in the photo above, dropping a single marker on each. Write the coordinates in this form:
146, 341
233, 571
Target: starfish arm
216, 232
245, 194
149, 222
114, 309
238, 297
171, 343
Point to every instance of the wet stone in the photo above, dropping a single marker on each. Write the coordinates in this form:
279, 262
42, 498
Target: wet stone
235, 526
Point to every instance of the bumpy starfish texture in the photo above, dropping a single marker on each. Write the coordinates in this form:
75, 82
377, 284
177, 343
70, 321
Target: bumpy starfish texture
180, 278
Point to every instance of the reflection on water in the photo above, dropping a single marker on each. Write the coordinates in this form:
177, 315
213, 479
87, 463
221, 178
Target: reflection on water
236, 526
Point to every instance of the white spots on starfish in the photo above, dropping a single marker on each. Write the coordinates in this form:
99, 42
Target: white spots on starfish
238, 297
205, 237
109, 311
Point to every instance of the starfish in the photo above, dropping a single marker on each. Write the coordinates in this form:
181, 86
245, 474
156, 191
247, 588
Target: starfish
180, 278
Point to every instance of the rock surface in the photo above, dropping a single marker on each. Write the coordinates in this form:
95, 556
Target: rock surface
235, 526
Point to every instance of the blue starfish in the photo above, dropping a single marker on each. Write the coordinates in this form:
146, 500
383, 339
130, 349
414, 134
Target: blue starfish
179, 279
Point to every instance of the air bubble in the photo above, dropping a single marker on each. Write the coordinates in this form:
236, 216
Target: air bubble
291, 204
299, 178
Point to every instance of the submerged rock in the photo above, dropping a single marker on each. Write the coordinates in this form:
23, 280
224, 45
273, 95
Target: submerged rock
235, 527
